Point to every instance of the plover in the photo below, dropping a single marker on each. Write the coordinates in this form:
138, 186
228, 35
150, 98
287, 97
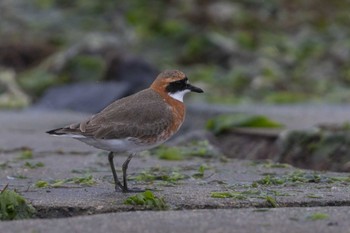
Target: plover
135, 123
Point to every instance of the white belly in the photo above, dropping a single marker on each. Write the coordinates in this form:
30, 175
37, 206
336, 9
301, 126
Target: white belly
130, 145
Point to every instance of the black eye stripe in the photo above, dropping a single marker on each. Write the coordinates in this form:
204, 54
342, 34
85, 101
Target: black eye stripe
178, 85
181, 80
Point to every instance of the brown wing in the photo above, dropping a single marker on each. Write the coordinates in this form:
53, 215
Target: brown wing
141, 115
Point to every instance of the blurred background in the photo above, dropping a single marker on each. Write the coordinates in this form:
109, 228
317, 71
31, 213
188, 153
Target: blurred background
250, 51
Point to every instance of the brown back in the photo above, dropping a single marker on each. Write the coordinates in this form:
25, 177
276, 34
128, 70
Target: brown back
142, 115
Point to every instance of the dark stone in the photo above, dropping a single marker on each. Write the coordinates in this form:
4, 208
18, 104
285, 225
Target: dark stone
83, 97
136, 72
126, 76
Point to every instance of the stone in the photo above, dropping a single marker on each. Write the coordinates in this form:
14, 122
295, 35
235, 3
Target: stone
82, 97
136, 72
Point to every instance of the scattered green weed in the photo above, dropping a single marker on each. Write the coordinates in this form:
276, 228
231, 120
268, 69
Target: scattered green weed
235, 195
200, 174
41, 184
251, 193
159, 174
81, 180
298, 176
14, 206
26, 154
271, 201
340, 179
20, 176
193, 149
317, 216
170, 153
87, 180
33, 165
148, 200
270, 180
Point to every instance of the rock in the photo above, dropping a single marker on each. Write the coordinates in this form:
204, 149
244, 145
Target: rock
126, 76
83, 97
136, 72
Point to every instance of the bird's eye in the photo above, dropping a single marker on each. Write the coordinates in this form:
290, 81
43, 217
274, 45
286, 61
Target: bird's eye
182, 81
178, 85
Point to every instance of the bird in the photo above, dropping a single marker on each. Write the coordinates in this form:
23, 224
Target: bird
135, 123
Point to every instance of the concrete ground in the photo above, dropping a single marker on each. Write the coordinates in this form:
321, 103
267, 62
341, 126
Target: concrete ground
189, 221
260, 197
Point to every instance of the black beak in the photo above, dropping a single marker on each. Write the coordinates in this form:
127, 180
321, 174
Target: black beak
194, 89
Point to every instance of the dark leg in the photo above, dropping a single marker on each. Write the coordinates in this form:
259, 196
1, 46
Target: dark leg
125, 167
117, 183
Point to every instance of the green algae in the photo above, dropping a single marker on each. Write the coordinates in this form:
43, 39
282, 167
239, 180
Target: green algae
148, 200
13, 206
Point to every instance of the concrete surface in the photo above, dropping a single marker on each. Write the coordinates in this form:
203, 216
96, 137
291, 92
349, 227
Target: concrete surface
66, 158
188, 193
190, 221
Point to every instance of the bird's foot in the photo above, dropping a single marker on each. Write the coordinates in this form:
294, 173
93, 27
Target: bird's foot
119, 188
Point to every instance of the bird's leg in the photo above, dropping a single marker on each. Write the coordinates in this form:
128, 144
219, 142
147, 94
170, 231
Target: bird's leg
117, 183
125, 167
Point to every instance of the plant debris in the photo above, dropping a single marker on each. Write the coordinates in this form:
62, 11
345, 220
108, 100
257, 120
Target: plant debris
271, 201
168, 175
201, 149
26, 154
200, 174
13, 206
87, 180
298, 176
148, 200
318, 216
251, 193
33, 165
170, 153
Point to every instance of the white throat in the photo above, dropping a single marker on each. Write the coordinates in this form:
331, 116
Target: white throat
179, 95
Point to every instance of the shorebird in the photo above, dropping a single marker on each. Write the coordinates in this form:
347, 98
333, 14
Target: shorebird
137, 122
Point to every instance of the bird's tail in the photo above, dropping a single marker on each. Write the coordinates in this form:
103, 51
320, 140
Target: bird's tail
58, 131
65, 132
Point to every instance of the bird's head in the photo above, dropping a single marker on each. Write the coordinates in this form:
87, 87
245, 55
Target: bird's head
174, 83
